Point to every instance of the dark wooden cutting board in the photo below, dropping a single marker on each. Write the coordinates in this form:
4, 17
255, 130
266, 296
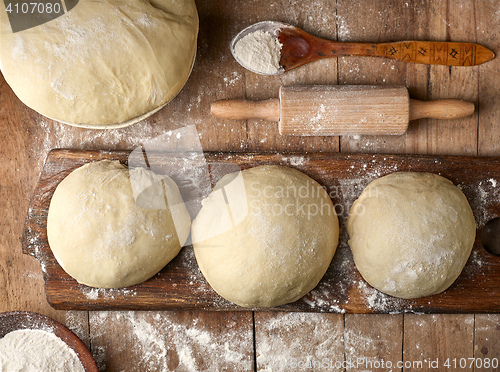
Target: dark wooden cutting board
180, 285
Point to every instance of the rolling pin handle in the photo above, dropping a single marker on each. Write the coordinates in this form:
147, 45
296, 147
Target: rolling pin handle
240, 109
440, 109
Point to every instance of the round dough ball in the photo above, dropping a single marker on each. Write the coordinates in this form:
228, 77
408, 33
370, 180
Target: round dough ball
411, 234
105, 63
111, 227
265, 236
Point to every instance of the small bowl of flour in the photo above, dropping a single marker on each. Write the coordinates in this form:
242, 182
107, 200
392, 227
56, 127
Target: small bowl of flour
30, 342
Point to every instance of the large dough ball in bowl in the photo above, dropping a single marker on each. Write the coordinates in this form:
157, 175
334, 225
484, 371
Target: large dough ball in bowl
411, 233
265, 236
111, 227
103, 64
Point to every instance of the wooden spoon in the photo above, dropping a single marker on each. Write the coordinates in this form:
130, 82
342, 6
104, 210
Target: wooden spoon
298, 48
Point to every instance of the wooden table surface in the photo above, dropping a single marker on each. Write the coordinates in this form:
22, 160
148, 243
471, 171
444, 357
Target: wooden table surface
274, 341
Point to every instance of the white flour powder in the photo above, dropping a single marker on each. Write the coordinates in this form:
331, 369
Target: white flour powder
259, 51
31, 350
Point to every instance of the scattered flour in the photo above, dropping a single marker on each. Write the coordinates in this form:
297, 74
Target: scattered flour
482, 197
110, 293
296, 160
342, 28
232, 79
30, 350
321, 338
166, 343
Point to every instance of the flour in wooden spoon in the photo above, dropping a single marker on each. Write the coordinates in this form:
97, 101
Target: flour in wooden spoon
259, 51
30, 350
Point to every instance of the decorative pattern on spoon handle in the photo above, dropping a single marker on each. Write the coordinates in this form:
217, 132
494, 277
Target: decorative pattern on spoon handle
427, 52
436, 53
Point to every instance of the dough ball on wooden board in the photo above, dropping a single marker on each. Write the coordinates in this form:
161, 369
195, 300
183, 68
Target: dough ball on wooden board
111, 227
411, 233
265, 236
104, 63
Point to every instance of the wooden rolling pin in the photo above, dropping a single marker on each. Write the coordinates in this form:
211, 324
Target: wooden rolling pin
322, 110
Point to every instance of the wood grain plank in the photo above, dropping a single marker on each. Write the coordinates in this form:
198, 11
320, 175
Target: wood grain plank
19, 275
373, 342
453, 136
172, 341
78, 322
487, 21
486, 342
298, 341
433, 341
215, 76
446, 21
